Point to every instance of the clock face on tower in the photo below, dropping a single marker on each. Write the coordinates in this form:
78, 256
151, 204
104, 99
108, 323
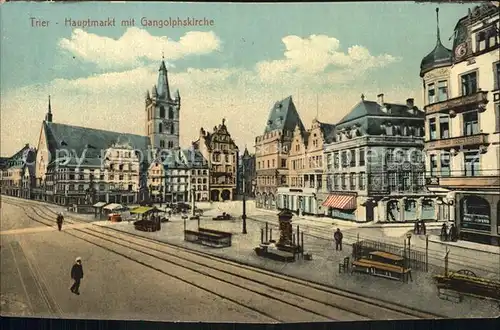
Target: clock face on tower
461, 50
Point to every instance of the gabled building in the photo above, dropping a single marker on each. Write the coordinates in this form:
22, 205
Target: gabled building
181, 175
221, 151
375, 166
272, 149
305, 169
462, 133
17, 173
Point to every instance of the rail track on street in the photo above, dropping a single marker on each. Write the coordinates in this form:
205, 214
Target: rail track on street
276, 296
435, 256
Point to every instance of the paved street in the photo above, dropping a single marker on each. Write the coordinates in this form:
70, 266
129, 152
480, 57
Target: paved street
130, 278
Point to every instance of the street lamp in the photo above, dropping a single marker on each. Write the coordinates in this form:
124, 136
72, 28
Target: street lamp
244, 215
408, 235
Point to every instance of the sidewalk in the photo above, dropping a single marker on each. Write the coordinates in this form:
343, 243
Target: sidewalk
322, 269
495, 250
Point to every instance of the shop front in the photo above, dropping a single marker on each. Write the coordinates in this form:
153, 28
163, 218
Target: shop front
478, 218
303, 200
341, 206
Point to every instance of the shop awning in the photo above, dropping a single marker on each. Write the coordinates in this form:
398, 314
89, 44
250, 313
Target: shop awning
341, 202
99, 205
112, 207
141, 210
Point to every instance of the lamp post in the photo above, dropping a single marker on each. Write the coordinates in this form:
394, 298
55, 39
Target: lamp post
244, 215
408, 235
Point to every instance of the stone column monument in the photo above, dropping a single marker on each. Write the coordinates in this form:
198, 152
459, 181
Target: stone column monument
285, 225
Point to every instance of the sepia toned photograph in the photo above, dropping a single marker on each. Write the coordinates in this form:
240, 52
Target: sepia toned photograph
250, 162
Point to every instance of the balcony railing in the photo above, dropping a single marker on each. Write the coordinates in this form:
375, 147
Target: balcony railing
458, 104
457, 142
465, 181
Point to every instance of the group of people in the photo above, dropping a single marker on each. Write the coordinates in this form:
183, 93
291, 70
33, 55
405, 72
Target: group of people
419, 227
449, 233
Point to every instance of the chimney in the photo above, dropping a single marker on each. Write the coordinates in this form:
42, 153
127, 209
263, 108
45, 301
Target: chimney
410, 103
380, 99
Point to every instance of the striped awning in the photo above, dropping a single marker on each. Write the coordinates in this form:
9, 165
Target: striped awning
341, 202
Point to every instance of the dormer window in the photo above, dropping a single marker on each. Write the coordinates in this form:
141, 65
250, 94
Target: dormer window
486, 39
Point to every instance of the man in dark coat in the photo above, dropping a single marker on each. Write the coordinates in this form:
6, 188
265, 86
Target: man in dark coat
444, 232
453, 233
76, 275
338, 239
59, 221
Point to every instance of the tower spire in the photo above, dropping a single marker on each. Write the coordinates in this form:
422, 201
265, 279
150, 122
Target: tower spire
437, 25
48, 116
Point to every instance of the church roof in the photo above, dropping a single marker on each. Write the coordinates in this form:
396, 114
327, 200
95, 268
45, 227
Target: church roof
283, 116
88, 142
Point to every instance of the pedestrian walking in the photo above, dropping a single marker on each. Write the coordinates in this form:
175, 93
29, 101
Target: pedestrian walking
76, 275
338, 239
453, 233
59, 221
444, 232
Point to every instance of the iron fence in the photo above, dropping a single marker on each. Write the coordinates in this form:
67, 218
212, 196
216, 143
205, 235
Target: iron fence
416, 260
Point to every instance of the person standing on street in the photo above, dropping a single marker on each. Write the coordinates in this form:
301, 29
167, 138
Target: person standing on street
59, 221
76, 275
444, 232
338, 239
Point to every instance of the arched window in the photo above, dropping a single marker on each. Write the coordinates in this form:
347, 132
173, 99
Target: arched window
475, 213
172, 129
162, 112
160, 128
170, 113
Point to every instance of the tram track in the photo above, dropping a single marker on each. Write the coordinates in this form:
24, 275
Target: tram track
333, 304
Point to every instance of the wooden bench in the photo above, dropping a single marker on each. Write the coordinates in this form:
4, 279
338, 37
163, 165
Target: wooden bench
210, 237
381, 269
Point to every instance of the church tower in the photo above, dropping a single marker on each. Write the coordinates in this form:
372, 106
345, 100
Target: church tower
162, 113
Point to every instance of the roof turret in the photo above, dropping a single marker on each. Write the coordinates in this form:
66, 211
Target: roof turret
440, 56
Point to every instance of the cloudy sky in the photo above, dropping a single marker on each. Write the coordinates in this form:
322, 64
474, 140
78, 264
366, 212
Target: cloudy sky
325, 55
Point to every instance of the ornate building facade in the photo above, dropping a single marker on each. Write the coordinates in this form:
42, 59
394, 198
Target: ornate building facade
375, 166
305, 181
271, 152
462, 107
17, 173
222, 154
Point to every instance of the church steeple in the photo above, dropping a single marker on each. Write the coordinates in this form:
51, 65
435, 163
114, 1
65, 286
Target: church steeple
48, 116
162, 86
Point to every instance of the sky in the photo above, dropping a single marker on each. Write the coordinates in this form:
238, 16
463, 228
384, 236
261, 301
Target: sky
325, 55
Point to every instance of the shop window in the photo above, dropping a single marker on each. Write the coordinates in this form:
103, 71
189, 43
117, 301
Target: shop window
475, 213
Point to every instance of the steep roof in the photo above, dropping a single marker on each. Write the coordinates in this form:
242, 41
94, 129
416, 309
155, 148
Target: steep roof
369, 116
283, 116
440, 56
88, 141
328, 131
